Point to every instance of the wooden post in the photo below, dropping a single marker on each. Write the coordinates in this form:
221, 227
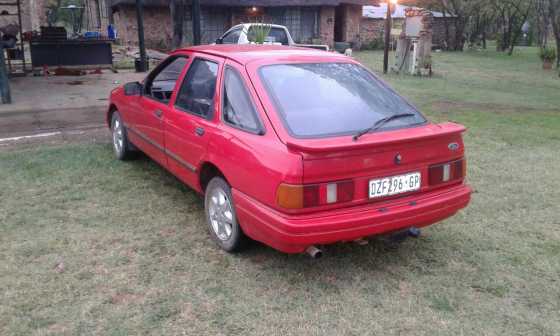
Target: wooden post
196, 21
387, 38
4, 83
141, 45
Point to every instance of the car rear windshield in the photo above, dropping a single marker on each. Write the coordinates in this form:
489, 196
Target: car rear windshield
330, 99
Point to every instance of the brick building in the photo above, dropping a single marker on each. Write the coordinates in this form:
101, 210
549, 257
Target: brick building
309, 21
34, 14
372, 26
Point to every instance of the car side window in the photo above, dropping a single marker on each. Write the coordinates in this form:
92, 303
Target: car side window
162, 84
238, 109
196, 94
232, 37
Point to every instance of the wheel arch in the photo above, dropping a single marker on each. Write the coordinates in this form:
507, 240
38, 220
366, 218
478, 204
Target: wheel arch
207, 172
112, 109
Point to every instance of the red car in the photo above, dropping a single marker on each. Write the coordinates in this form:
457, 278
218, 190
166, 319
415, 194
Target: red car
291, 147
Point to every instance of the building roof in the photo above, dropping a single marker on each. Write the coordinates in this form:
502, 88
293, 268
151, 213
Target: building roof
247, 3
245, 53
380, 12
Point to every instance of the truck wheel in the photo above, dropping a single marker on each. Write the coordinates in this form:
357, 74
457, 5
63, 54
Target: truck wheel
220, 215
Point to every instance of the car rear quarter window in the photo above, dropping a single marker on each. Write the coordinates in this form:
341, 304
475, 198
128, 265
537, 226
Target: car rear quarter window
238, 109
331, 99
196, 94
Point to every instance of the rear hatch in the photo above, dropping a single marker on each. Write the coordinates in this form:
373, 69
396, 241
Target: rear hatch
408, 152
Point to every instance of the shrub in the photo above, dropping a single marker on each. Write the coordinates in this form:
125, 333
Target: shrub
258, 33
375, 44
547, 54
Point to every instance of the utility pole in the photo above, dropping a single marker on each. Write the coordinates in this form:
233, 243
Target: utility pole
141, 45
5, 93
387, 36
196, 21
4, 83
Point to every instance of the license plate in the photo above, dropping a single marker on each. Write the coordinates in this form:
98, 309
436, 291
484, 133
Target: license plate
394, 185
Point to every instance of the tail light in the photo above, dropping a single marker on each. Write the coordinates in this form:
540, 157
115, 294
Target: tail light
446, 172
291, 196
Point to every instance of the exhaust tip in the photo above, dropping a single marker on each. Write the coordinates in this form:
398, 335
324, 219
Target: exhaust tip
314, 252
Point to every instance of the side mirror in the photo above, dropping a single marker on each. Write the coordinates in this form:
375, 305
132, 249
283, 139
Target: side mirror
219, 41
133, 89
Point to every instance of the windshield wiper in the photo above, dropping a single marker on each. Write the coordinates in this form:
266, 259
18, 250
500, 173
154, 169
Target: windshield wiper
379, 123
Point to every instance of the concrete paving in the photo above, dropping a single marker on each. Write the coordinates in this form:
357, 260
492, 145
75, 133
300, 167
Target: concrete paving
43, 104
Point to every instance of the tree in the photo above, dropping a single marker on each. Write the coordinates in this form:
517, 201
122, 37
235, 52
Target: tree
511, 15
554, 11
542, 19
462, 10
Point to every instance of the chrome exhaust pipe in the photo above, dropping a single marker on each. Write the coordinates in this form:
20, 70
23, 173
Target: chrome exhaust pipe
314, 252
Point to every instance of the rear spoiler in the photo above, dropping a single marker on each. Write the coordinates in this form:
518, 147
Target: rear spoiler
425, 132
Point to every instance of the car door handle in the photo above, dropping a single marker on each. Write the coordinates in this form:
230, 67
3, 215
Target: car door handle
199, 131
158, 113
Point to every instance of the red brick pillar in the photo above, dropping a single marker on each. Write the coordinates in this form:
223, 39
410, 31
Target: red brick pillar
326, 25
353, 18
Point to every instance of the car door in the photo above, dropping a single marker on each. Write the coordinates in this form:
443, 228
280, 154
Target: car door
190, 122
153, 105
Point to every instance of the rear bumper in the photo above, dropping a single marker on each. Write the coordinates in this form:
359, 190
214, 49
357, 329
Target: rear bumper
294, 233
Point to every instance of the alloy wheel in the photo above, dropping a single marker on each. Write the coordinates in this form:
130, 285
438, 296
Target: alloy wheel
221, 214
118, 136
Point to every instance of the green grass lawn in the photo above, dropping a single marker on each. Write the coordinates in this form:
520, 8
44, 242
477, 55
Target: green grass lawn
89, 245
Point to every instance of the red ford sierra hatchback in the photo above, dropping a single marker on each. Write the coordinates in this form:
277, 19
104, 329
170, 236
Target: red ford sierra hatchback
291, 147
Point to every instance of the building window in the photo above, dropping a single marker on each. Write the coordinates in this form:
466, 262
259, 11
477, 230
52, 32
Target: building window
214, 22
302, 22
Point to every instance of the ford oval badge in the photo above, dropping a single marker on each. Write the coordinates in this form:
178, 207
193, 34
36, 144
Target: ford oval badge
453, 146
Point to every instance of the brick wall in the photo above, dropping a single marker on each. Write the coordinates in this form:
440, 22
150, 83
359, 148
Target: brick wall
326, 25
157, 27
371, 29
352, 17
33, 14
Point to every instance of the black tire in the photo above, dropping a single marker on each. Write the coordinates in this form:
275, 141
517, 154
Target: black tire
235, 240
123, 149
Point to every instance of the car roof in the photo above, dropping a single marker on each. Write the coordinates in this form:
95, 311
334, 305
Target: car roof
246, 53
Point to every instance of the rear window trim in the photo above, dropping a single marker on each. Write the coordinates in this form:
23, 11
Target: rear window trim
276, 103
260, 131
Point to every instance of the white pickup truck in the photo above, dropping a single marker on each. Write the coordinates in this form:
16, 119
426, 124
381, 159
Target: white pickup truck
277, 35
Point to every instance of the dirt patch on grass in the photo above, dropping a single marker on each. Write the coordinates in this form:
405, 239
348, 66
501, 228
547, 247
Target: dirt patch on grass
125, 298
